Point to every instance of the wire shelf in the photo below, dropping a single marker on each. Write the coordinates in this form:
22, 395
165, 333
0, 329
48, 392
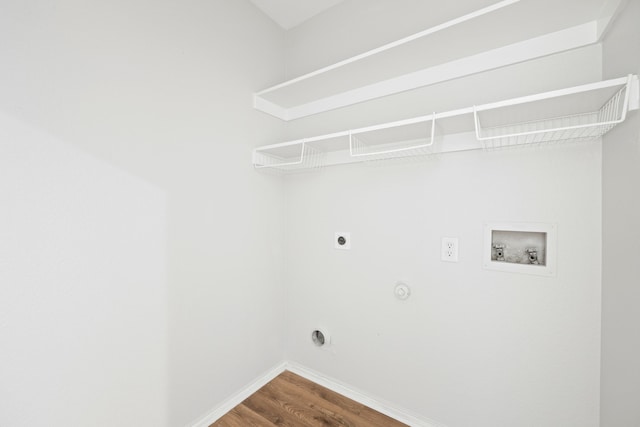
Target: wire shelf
570, 128
575, 114
408, 138
308, 157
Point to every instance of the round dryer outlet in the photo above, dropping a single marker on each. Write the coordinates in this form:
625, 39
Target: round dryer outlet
342, 240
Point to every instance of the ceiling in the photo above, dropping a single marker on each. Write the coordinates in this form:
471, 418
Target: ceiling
290, 13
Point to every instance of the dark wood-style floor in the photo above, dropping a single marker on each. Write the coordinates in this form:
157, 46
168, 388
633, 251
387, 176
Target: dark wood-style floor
290, 400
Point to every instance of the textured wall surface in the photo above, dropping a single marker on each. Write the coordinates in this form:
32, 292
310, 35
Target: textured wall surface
621, 232
83, 288
159, 92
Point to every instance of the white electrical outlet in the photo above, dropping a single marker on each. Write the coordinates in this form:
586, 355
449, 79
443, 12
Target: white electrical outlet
450, 249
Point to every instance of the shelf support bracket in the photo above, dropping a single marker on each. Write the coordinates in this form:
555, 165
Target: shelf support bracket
634, 94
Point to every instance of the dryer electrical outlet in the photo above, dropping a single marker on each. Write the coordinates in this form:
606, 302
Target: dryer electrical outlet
342, 240
450, 249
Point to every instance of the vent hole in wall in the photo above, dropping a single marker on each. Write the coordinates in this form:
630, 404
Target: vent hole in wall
318, 338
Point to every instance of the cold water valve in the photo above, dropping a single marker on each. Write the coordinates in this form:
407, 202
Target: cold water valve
533, 256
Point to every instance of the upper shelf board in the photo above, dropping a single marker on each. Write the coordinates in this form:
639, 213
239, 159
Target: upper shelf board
402, 65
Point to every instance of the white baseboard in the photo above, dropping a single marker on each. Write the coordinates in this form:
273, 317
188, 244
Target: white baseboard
237, 399
392, 411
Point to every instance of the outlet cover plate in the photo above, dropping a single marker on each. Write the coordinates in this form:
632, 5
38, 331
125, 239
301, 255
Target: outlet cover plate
450, 249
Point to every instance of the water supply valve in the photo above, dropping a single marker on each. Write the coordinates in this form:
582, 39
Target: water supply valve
499, 251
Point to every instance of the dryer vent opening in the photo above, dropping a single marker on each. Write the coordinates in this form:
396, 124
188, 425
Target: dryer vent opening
318, 337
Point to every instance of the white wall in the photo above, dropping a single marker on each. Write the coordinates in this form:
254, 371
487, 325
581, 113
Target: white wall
621, 233
161, 91
83, 291
471, 347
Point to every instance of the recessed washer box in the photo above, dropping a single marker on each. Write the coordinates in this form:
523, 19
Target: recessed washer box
520, 247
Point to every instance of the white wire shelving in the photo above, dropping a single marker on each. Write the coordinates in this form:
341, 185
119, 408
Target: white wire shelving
578, 113
578, 125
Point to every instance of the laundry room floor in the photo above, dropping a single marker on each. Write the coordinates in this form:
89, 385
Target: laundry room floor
290, 400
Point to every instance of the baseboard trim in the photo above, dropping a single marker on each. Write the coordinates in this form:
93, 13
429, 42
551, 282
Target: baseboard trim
392, 411
237, 398
399, 414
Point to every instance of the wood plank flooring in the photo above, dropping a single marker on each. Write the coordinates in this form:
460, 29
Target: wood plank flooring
292, 401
